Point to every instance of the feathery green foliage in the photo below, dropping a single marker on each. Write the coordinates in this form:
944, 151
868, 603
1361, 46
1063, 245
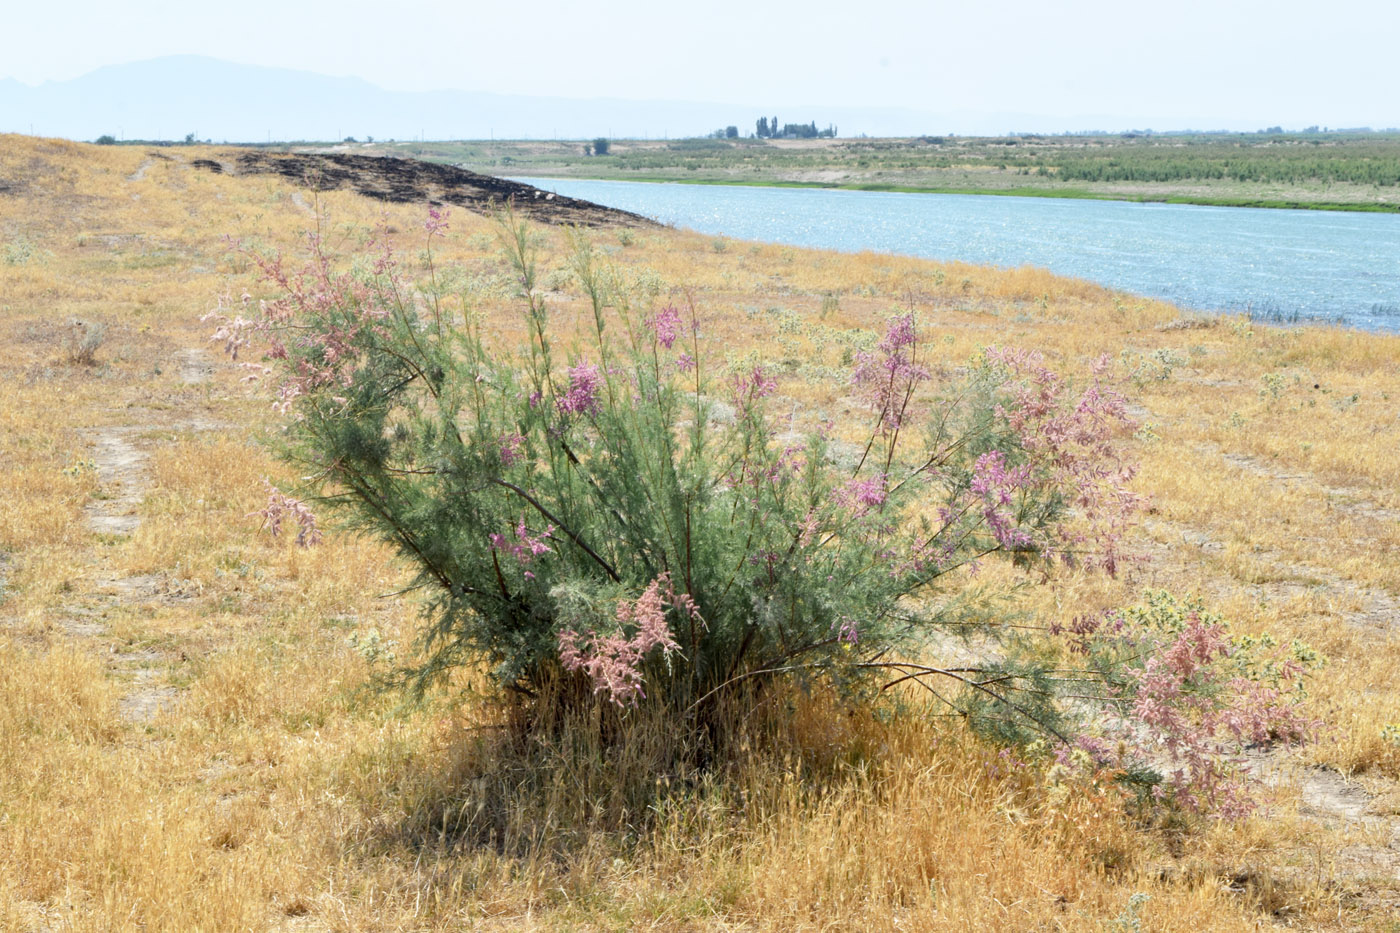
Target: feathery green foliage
620, 520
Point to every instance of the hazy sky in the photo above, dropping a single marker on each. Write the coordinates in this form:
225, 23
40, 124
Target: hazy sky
1291, 62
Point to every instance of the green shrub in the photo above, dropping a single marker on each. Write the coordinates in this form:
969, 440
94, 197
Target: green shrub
540, 498
622, 521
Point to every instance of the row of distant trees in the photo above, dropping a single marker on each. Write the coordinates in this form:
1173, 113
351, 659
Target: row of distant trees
771, 129
107, 139
764, 129
768, 129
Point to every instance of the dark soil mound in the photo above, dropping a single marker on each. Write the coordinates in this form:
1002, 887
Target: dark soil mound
407, 181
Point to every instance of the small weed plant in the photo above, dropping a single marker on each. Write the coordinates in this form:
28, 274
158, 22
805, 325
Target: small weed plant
621, 522
1157, 366
22, 251
82, 342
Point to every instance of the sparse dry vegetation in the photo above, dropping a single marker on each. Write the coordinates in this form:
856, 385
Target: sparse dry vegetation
189, 739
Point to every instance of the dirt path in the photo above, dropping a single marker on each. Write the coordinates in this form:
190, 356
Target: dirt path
121, 455
121, 476
195, 366
1353, 500
1376, 609
1370, 844
122, 458
302, 205
141, 170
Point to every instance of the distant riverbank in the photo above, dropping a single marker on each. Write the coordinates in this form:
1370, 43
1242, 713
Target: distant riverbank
1353, 171
1077, 194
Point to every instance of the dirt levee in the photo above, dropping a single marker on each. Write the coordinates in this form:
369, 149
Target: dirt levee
407, 180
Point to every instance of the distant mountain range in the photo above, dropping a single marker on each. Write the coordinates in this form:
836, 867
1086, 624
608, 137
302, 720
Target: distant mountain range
168, 98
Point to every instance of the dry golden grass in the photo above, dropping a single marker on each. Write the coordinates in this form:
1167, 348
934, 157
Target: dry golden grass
186, 741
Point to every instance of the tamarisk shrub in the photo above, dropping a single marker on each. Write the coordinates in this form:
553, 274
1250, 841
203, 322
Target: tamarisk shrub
1179, 696
578, 516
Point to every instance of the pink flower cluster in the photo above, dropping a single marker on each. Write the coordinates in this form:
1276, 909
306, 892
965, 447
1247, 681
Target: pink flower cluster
862, 495
582, 395
665, 325
281, 507
1071, 442
525, 547
614, 661
755, 472
1186, 708
339, 309
887, 382
232, 332
847, 631
1083, 629
436, 224
751, 386
511, 447
997, 487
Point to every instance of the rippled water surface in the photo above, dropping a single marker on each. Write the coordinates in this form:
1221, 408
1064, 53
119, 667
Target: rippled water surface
1276, 264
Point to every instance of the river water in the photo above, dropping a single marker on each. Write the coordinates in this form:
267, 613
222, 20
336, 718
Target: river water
1279, 265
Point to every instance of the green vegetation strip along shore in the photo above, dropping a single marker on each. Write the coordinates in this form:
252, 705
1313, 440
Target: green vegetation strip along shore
1077, 194
1314, 171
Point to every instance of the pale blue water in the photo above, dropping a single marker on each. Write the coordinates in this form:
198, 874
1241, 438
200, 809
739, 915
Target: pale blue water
1276, 264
